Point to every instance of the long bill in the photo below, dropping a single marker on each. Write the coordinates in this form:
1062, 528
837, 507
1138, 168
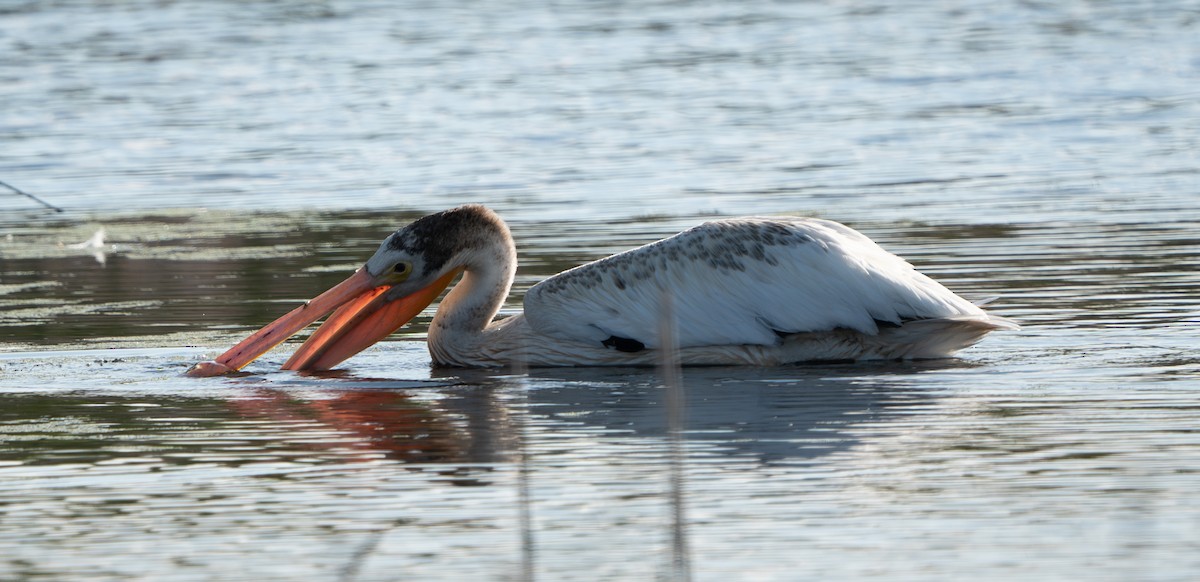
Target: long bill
360, 323
363, 316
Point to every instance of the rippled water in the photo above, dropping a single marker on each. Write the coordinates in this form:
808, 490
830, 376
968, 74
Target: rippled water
243, 156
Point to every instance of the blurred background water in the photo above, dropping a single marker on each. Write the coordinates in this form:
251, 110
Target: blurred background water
242, 156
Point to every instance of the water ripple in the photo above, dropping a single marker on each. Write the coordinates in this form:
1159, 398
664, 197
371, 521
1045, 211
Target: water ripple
243, 156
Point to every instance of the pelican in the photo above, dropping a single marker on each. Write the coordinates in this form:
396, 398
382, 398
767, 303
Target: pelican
745, 291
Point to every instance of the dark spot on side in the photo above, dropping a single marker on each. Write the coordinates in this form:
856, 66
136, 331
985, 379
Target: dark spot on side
623, 344
620, 283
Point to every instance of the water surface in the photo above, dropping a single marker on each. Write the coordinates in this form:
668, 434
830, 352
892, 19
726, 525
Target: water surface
241, 157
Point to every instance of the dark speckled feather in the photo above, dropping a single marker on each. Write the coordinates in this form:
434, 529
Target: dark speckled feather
741, 281
438, 237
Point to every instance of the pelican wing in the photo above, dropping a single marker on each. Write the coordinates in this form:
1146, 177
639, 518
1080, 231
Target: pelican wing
741, 281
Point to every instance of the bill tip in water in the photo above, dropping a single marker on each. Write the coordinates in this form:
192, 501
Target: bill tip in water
209, 369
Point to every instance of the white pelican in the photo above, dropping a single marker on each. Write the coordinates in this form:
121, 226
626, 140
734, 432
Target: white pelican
747, 291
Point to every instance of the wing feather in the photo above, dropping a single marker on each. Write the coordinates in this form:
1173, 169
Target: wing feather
741, 281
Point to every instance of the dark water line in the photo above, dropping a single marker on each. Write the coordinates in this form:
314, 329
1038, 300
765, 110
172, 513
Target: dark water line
31, 196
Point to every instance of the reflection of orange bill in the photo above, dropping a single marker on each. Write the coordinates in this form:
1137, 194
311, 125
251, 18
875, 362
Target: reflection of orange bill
363, 314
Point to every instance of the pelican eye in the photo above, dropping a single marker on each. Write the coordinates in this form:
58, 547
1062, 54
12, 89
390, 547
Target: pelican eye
401, 268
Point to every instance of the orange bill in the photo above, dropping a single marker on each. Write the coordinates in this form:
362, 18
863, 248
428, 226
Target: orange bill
361, 323
274, 333
363, 314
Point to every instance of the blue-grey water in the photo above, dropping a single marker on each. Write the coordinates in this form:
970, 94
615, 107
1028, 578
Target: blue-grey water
242, 156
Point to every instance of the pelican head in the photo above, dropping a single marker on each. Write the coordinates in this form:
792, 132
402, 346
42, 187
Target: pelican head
409, 270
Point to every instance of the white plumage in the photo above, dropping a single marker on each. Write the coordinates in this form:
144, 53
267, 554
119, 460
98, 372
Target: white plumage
741, 281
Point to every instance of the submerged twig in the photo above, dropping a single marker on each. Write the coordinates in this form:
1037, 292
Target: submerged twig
31, 197
669, 368
520, 369
524, 497
349, 572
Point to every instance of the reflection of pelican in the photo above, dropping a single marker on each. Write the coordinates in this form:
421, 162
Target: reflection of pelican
745, 291
372, 421
766, 414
